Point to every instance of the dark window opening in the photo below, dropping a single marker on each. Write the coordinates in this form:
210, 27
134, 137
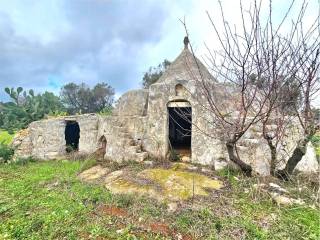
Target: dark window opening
72, 135
180, 126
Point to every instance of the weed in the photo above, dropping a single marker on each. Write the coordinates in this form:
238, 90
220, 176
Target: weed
88, 163
174, 156
124, 200
24, 160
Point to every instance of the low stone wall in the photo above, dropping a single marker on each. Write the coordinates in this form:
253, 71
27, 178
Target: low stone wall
129, 138
45, 139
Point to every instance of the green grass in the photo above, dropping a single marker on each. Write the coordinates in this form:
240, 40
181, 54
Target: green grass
44, 200
5, 137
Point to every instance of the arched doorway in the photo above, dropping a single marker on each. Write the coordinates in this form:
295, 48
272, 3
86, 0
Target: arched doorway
72, 136
180, 128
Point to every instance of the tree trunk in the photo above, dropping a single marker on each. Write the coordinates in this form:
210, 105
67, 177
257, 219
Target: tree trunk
273, 152
247, 169
295, 158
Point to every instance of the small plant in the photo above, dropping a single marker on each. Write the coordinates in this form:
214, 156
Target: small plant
174, 156
6, 153
24, 160
70, 148
88, 163
229, 171
106, 111
124, 200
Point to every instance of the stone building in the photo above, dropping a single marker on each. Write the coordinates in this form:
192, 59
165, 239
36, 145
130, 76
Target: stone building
166, 118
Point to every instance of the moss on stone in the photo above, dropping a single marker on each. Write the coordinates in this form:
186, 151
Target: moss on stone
181, 185
122, 185
166, 184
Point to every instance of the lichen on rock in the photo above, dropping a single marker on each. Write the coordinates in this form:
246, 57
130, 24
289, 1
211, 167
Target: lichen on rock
172, 184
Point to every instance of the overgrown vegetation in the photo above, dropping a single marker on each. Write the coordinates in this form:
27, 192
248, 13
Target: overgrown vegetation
5, 137
44, 200
25, 107
6, 152
80, 98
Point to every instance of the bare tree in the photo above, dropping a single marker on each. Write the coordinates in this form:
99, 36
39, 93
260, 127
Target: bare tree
253, 69
307, 60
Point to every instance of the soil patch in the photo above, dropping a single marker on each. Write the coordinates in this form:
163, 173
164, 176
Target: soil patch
112, 211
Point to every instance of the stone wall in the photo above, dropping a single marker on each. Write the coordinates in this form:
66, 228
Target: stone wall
207, 143
139, 128
89, 126
46, 138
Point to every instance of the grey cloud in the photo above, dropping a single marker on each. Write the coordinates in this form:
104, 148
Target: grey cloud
106, 41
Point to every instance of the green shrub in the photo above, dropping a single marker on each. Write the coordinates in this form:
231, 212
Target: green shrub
6, 136
6, 153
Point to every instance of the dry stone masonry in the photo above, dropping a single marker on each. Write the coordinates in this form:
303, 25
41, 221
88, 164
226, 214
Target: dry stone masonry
139, 127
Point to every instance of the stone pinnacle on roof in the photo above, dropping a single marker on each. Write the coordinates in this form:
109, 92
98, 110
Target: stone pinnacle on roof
186, 42
185, 67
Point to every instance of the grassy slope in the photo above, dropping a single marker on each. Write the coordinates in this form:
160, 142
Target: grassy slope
46, 201
5, 137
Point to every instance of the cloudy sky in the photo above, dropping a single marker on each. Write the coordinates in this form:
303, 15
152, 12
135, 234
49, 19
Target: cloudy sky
45, 44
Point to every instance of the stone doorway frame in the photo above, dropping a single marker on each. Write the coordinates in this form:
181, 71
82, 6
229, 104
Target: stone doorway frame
171, 104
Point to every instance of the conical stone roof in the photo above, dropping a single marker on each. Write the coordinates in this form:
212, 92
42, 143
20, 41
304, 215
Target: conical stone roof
185, 67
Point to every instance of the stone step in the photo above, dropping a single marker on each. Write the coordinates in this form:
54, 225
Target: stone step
129, 142
140, 157
133, 149
124, 135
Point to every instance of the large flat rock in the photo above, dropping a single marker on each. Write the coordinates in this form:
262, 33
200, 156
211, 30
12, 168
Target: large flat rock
94, 174
173, 184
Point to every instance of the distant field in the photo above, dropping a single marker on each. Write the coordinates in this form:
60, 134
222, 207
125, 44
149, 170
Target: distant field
5, 137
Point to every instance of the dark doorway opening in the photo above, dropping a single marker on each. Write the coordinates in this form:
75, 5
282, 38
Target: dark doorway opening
180, 126
72, 136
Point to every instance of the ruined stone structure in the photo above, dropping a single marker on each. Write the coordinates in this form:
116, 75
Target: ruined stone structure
144, 124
